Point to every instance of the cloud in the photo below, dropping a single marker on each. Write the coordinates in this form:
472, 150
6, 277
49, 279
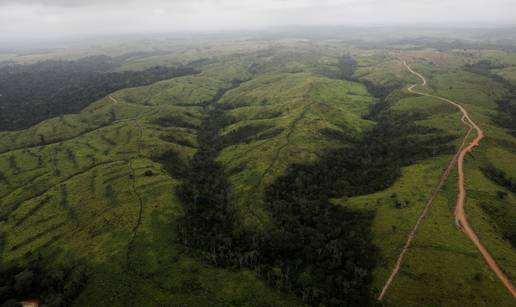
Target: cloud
61, 3
54, 18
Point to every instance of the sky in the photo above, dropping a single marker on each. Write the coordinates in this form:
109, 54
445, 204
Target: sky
30, 19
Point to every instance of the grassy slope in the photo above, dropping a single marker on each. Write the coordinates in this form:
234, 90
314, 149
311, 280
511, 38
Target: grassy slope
85, 196
98, 226
443, 267
76, 186
296, 107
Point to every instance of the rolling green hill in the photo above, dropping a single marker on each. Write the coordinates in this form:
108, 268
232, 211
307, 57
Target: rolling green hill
288, 160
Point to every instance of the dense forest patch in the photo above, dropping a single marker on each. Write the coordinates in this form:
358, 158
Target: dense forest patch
500, 177
498, 209
244, 134
319, 251
506, 116
347, 66
502, 215
174, 121
507, 111
173, 139
55, 286
32, 93
265, 213
323, 252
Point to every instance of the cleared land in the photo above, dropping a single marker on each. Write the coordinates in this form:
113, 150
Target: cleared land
460, 215
90, 186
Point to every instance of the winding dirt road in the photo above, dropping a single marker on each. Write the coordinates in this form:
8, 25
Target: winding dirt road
461, 219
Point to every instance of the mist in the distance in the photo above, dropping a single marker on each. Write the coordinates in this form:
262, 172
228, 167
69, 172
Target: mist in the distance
53, 19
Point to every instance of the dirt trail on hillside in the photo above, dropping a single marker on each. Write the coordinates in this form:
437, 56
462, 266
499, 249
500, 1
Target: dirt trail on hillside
460, 216
412, 233
113, 99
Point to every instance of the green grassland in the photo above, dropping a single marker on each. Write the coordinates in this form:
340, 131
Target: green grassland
381, 69
88, 186
443, 268
85, 192
293, 109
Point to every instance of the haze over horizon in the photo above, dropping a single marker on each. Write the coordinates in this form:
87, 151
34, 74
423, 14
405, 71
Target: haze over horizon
54, 19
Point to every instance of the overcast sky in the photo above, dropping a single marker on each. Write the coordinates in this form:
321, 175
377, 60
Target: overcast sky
23, 19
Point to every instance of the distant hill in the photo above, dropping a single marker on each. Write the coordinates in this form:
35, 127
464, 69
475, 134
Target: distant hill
32, 93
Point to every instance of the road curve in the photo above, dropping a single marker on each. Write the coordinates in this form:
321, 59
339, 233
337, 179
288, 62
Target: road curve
461, 219
428, 204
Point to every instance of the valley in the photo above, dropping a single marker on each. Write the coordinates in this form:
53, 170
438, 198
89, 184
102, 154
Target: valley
284, 172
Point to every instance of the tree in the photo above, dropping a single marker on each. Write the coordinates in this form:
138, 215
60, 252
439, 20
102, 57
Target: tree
23, 281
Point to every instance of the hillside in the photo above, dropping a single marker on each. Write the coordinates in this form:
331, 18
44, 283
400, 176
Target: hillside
284, 175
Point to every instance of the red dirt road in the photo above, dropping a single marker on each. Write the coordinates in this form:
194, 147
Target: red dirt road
461, 219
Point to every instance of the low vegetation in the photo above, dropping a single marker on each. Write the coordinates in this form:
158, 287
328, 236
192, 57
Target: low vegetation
313, 248
280, 176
